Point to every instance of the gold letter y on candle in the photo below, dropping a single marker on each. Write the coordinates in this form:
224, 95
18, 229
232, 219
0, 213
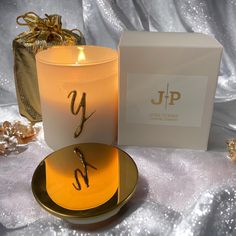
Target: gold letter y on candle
82, 105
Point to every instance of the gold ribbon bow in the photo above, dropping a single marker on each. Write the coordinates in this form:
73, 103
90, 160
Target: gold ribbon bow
44, 31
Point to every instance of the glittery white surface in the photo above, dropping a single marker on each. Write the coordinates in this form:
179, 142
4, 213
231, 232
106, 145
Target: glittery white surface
180, 192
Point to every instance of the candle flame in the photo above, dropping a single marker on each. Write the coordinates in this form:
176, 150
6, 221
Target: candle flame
81, 55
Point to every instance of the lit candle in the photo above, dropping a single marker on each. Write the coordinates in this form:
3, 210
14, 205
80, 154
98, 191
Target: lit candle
78, 93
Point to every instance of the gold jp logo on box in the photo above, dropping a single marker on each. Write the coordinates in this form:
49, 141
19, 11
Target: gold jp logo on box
170, 97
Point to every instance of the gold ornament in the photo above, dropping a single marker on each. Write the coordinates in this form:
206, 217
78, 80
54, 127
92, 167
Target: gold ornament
15, 135
231, 145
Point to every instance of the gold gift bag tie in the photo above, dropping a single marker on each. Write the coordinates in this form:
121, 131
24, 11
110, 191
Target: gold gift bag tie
45, 32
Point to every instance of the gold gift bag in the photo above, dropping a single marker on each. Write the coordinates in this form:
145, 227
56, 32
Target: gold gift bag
43, 33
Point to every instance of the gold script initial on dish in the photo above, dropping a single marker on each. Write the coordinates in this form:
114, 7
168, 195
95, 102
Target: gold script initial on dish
84, 175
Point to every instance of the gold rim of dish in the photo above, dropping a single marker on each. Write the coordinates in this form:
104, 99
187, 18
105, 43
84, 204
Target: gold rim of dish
81, 214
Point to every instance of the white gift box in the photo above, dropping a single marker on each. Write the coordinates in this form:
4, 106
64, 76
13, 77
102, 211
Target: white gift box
167, 86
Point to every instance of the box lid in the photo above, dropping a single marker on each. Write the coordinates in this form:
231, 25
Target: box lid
170, 39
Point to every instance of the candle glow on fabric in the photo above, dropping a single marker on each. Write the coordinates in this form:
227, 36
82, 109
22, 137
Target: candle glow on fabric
90, 71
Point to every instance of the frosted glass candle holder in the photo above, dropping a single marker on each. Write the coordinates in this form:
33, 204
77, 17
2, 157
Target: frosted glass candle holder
78, 93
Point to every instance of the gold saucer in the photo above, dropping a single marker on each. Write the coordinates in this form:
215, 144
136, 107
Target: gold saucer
85, 183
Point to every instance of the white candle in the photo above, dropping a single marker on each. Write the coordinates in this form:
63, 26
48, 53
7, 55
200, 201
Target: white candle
78, 93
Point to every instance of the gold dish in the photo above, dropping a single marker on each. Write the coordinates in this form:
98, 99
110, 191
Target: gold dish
85, 183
